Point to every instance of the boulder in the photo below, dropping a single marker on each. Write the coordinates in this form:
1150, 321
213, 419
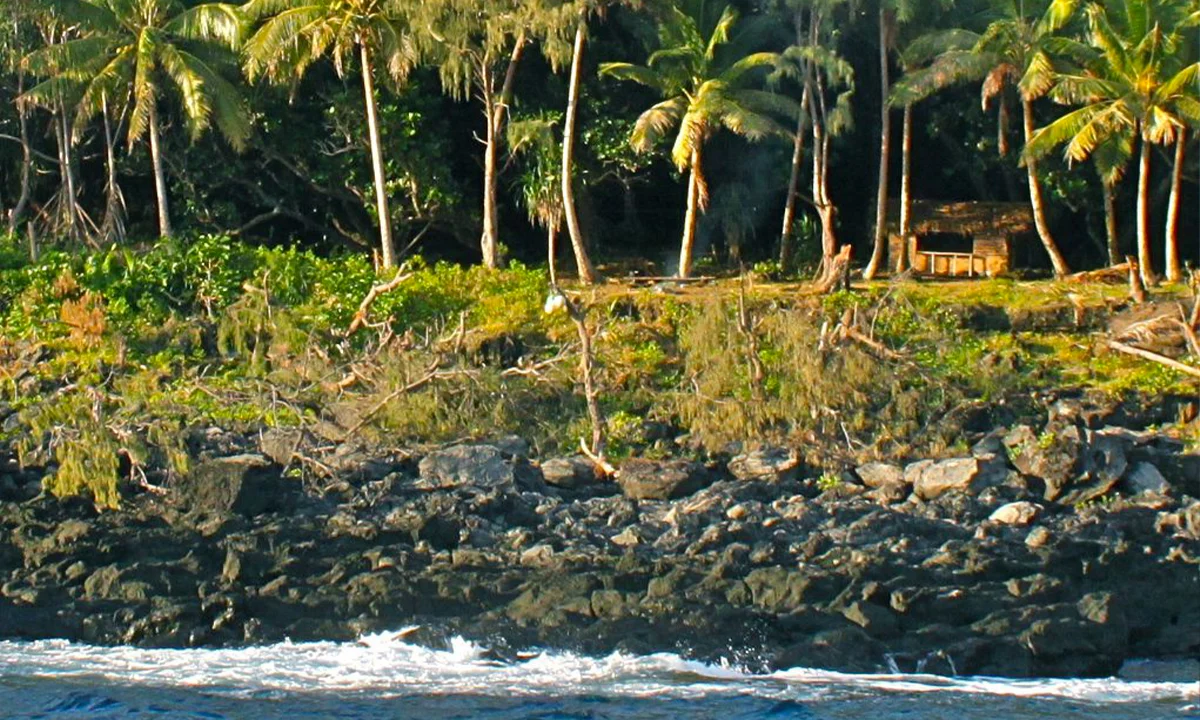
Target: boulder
1015, 513
1076, 465
931, 478
280, 444
1144, 478
772, 464
642, 479
469, 465
245, 485
569, 472
878, 474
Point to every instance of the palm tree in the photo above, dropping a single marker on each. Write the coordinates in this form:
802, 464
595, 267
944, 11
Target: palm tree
1015, 49
1132, 88
296, 33
704, 90
128, 49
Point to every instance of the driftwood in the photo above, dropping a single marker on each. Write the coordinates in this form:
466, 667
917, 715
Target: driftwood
652, 279
1113, 274
835, 272
360, 316
1154, 357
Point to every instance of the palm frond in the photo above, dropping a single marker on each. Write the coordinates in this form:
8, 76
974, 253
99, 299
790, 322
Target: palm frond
95, 16
755, 61
721, 32
227, 108
929, 46
764, 102
1038, 78
692, 129
72, 58
111, 83
1111, 158
1105, 39
1079, 89
1160, 126
50, 94
637, 73
145, 91
1058, 14
1186, 81
192, 92
1188, 108
282, 37
212, 21
952, 68
653, 124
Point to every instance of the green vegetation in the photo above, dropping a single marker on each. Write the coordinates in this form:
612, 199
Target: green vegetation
113, 361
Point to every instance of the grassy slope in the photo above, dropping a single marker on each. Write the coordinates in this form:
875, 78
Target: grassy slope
111, 361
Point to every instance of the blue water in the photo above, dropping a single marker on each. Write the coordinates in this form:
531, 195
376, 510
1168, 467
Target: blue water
383, 677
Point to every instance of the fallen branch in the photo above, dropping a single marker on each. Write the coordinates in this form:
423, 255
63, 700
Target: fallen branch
1112, 274
1154, 357
884, 351
417, 384
604, 466
360, 316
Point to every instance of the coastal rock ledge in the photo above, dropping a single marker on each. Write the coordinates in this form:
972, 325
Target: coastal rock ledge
968, 565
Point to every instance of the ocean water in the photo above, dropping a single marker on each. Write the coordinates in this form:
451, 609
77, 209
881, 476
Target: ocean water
381, 676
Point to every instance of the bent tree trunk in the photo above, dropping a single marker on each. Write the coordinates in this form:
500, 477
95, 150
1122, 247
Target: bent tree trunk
587, 274
497, 106
1143, 215
885, 149
691, 218
1174, 267
14, 216
1110, 223
905, 189
386, 248
1038, 203
160, 178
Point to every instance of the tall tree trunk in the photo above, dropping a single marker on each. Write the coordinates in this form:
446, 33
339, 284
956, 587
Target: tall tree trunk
386, 247
1174, 266
552, 252
905, 189
66, 168
497, 107
1143, 216
1110, 223
587, 273
879, 252
787, 241
691, 218
14, 216
1036, 201
160, 177
113, 226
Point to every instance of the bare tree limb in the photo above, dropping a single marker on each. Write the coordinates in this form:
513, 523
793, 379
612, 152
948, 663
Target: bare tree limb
1154, 357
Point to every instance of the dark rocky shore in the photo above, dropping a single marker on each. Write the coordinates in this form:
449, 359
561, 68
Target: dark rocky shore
1058, 549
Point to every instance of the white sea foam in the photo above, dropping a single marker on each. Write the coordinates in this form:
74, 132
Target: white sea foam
384, 665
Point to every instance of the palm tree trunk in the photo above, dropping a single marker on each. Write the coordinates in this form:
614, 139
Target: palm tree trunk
1174, 267
113, 226
160, 178
552, 252
387, 249
14, 216
787, 241
1110, 223
497, 106
1143, 216
691, 218
70, 213
587, 274
905, 189
1037, 202
878, 254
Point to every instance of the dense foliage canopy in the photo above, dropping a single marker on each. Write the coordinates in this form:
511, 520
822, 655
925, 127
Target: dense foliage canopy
356, 125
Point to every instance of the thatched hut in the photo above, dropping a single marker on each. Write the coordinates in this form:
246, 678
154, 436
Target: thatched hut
959, 238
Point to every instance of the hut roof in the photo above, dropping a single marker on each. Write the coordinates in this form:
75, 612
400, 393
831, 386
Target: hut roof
964, 218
